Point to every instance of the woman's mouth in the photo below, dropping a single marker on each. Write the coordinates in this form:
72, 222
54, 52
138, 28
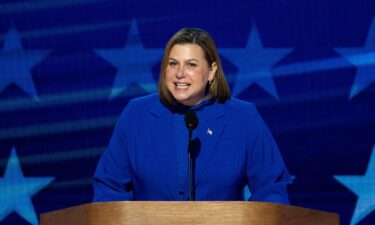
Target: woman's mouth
182, 85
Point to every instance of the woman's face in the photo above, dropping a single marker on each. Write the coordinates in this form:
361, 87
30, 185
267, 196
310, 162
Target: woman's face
187, 73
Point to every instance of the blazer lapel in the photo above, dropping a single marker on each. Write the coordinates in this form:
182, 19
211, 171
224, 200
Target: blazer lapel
212, 130
161, 128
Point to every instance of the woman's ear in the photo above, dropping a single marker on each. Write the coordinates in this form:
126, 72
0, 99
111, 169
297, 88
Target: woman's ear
213, 70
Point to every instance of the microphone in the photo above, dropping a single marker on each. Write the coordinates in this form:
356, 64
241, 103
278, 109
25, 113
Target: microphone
191, 122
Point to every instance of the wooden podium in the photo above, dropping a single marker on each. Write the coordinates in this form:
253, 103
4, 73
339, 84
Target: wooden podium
175, 213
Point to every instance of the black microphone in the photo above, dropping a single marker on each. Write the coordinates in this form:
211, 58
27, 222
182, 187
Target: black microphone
191, 122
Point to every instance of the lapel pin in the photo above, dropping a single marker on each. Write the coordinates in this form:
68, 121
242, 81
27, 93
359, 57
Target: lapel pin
209, 131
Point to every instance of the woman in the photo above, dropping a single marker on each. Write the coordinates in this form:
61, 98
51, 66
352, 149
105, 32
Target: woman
147, 155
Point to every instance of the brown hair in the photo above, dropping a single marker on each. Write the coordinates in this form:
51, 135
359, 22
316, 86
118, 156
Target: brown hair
218, 88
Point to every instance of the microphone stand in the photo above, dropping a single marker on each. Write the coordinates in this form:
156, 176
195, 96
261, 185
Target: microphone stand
190, 169
191, 122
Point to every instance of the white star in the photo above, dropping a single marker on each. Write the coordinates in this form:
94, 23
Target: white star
17, 190
133, 62
16, 63
255, 64
364, 188
364, 60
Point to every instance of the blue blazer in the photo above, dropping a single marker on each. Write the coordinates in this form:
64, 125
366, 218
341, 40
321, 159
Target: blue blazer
237, 150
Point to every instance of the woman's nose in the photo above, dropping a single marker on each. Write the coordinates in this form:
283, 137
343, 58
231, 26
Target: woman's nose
180, 72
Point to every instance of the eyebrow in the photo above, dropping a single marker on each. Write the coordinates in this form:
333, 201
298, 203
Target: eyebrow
189, 60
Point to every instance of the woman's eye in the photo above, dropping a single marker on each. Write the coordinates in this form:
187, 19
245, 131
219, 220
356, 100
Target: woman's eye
172, 63
192, 65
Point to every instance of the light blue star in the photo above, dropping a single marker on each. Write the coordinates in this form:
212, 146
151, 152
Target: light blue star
16, 63
16, 191
364, 188
255, 64
364, 60
133, 63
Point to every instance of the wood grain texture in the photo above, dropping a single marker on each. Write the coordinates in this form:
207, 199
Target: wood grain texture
188, 213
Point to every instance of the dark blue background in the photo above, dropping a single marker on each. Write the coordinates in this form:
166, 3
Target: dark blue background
321, 132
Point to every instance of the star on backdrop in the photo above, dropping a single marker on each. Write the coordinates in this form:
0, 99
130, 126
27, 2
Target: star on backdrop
364, 188
364, 60
254, 64
16, 63
133, 63
17, 190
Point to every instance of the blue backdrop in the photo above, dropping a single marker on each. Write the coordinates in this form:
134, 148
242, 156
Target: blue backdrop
68, 67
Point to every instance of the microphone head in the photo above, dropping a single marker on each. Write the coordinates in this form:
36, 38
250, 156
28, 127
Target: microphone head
191, 120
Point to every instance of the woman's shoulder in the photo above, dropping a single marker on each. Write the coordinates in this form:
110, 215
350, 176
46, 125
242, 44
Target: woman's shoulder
244, 112
237, 105
139, 105
144, 100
